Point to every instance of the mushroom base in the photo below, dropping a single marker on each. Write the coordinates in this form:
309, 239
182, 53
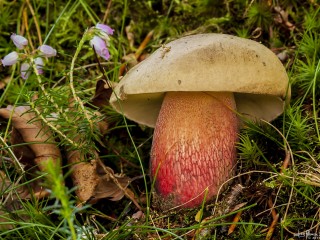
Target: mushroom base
193, 147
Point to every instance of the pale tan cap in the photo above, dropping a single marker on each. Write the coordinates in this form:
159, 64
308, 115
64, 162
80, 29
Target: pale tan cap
208, 63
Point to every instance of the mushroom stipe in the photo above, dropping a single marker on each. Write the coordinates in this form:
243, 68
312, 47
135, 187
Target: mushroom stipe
194, 146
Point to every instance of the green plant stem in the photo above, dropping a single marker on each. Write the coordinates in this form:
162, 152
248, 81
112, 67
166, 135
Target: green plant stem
71, 85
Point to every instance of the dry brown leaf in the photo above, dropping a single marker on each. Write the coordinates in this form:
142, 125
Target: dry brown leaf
102, 94
84, 175
27, 129
95, 181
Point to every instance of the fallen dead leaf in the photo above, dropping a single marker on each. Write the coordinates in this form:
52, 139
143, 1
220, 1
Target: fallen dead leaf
102, 94
38, 137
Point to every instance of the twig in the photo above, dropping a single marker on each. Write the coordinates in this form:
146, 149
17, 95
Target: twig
272, 227
106, 13
273, 211
287, 151
234, 222
25, 21
285, 162
35, 21
143, 45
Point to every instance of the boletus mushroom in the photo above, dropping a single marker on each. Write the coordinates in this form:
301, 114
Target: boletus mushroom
192, 91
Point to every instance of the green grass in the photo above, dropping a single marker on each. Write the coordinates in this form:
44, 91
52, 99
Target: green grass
262, 148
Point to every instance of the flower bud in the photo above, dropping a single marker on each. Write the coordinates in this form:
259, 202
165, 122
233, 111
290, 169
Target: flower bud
19, 41
100, 47
10, 59
47, 51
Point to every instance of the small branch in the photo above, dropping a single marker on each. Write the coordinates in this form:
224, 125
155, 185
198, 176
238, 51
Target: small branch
273, 211
272, 227
285, 162
35, 21
106, 13
25, 21
234, 222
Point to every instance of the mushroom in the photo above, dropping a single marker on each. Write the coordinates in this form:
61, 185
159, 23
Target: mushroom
192, 91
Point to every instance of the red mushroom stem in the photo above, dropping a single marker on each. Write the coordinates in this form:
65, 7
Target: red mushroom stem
193, 146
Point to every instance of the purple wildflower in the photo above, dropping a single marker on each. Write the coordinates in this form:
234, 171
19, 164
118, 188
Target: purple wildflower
25, 70
39, 64
10, 59
47, 51
105, 28
100, 47
19, 41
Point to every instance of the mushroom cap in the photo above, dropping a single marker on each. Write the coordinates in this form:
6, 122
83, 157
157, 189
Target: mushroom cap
209, 63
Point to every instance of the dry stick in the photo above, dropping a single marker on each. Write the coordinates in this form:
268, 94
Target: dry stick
105, 217
272, 227
106, 13
143, 44
155, 227
273, 211
138, 52
284, 166
25, 23
35, 22
286, 162
234, 222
